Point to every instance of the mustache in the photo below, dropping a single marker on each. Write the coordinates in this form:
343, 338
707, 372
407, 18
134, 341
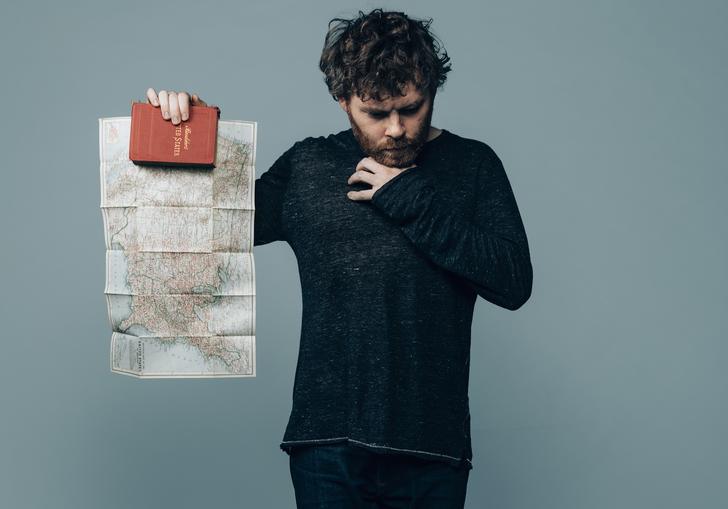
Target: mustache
409, 144
397, 147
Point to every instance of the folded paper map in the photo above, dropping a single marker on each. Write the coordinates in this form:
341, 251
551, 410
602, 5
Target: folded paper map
180, 277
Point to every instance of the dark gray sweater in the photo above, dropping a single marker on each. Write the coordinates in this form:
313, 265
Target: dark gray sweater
389, 286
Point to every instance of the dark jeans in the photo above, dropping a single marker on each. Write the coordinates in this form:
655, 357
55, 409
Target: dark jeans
342, 476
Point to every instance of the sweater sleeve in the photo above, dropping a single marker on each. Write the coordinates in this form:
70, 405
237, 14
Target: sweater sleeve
488, 250
270, 189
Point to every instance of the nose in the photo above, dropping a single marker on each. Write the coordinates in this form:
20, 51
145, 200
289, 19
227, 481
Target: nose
394, 127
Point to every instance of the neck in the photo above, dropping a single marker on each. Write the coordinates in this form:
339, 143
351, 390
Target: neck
434, 133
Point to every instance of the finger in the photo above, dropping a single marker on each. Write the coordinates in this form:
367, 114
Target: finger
361, 176
184, 105
368, 164
164, 104
366, 194
152, 97
174, 107
196, 101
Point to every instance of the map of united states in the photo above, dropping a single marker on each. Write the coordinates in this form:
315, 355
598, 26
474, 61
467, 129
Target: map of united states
180, 276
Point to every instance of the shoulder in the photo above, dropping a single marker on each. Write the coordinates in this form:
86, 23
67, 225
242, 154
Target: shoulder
341, 138
310, 144
470, 145
473, 151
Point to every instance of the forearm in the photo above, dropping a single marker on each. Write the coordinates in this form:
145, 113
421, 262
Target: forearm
489, 250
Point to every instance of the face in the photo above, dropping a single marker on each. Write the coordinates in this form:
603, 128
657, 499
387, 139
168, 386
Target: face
394, 130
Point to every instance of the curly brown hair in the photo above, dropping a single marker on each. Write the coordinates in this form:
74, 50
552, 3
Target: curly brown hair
375, 55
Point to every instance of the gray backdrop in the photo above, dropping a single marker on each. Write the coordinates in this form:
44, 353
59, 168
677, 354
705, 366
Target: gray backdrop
606, 390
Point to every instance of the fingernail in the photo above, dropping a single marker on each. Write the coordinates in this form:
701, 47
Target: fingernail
165, 115
175, 118
155, 102
185, 116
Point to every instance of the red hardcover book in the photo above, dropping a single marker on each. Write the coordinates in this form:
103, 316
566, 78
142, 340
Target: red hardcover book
156, 141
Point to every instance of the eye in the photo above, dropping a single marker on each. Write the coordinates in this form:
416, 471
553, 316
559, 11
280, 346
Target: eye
380, 115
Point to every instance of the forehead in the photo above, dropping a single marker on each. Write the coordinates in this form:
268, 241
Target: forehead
412, 96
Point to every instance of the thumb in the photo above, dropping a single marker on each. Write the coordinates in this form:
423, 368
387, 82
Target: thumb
197, 101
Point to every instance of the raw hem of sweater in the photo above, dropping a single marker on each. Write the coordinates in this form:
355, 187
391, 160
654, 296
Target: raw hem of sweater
287, 445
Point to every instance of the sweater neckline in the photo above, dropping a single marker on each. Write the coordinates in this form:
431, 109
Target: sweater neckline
443, 132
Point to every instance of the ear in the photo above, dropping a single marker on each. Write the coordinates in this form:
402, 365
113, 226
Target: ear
344, 104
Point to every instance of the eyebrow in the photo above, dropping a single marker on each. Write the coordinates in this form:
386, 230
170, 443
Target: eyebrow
413, 106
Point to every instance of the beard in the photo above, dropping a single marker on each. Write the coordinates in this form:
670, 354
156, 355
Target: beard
405, 149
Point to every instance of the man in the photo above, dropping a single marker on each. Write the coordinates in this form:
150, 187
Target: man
397, 227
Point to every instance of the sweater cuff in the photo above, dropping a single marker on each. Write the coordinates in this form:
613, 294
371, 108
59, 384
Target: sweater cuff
403, 197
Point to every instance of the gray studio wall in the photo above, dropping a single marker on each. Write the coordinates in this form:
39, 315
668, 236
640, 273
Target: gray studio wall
606, 390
